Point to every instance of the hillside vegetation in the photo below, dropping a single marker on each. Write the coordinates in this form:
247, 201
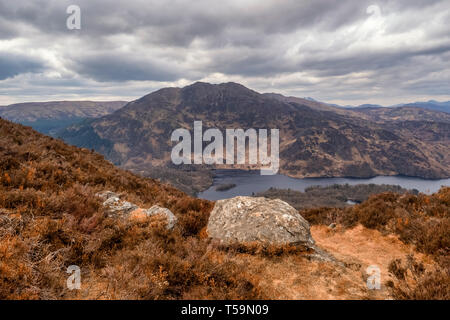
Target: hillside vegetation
50, 219
335, 195
420, 220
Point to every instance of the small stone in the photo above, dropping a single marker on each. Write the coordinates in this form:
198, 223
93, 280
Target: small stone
171, 218
115, 207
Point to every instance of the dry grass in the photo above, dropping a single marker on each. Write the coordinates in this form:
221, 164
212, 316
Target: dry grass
413, 282
49, 220
420, 220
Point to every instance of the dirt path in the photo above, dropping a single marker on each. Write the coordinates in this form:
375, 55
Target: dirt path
295, 277
364, 246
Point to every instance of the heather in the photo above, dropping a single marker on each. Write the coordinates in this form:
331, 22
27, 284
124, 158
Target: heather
50, 219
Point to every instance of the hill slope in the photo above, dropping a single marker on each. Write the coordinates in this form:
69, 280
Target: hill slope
50, 219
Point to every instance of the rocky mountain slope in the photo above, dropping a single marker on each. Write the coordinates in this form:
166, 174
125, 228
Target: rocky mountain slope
314, 141
313, 104
60, 206
49, 117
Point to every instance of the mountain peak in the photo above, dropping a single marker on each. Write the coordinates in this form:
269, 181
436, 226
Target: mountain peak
224, 85
205, 91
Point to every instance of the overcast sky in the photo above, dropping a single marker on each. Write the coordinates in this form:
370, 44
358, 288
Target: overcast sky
346, 52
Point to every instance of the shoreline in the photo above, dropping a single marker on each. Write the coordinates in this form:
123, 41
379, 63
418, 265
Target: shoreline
249, 181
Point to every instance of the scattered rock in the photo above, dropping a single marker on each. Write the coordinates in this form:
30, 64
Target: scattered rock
249, 219
171, 218
115, 207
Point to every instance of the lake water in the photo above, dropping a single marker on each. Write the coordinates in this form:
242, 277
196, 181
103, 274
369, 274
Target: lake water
248, 182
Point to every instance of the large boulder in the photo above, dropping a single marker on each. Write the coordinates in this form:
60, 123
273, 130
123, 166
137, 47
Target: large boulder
250, 219
118, 208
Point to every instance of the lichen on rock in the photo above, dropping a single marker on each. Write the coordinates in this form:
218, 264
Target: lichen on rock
116, 207
250, 219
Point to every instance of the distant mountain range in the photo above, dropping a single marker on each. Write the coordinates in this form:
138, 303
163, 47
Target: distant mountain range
316, 140
49, 117
430, 105
401, 113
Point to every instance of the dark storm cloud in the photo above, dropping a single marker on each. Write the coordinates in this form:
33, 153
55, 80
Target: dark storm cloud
12, 65
257, 42
179, 23
111, 67
255, 64
7, 29
46, 16
368, 61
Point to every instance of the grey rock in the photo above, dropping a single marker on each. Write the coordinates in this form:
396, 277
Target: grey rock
105, 195
171, 218
114, 205
322, 256
117, 208
249, 219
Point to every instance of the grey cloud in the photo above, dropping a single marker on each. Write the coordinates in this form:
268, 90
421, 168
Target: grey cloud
179, 23
114, 67
255, 64
8, 29
254, 41
365, 61
12, 65
46, 16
